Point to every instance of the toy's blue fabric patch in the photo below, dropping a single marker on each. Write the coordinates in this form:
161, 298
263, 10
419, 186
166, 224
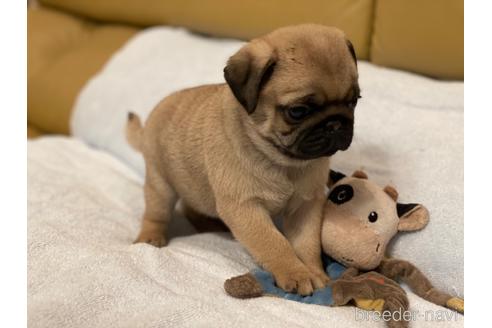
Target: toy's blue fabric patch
323, 296
332, 268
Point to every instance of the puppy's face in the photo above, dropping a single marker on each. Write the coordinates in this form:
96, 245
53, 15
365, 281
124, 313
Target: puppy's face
299, 87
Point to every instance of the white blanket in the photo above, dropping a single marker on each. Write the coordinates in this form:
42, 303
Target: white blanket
409, 131
84, 211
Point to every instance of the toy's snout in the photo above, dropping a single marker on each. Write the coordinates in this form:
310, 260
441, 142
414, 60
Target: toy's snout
352, 243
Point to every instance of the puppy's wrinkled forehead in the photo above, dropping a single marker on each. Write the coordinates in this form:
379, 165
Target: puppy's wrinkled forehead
313, 58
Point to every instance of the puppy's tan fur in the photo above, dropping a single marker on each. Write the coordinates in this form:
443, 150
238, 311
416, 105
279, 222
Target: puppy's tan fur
218, 150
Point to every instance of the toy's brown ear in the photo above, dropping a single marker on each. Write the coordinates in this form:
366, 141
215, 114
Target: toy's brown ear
248, 70
391, 192
413, 217
360, 174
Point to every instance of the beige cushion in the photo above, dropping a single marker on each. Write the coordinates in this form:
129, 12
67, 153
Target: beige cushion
424, 36
33, 132
63, 53
228, 18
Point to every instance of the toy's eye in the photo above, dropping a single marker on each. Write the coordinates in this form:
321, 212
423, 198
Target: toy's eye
373, 216
341, 194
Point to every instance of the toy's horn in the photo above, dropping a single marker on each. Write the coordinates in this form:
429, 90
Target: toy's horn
360, 174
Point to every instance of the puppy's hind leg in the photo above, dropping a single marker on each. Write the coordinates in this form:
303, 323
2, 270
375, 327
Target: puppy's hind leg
202, 222
160, 199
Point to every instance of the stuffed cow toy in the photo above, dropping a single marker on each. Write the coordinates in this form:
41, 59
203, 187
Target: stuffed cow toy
360, 219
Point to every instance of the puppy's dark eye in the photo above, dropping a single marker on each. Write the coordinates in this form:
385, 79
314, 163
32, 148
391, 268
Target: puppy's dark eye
297, 113
373, 217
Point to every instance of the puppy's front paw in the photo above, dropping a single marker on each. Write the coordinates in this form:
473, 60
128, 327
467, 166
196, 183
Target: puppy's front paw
297, 280
156, 239
322, 280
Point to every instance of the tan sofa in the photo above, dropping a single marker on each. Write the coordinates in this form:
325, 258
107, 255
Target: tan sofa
70, 40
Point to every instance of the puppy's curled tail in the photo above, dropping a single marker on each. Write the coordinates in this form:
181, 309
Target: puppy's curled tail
134, 131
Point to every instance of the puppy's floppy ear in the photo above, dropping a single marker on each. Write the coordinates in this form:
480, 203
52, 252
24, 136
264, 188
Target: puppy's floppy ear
352, 51
413, 217
247, 71
334, 177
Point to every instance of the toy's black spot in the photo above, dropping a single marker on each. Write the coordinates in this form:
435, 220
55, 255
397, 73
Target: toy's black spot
403, 209
336, 176
373, 216
341, 194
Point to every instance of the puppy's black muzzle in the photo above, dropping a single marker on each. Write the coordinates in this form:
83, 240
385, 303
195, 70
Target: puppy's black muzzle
326, 138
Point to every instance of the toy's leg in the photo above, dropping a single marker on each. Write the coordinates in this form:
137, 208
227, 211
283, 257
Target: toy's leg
244, 286
160, 199
373, 291
457, 304
350, 273
418, 282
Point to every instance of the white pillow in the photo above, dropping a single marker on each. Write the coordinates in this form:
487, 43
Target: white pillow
409, 131
150, 66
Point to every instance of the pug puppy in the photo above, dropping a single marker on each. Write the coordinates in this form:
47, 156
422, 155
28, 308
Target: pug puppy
256, 147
